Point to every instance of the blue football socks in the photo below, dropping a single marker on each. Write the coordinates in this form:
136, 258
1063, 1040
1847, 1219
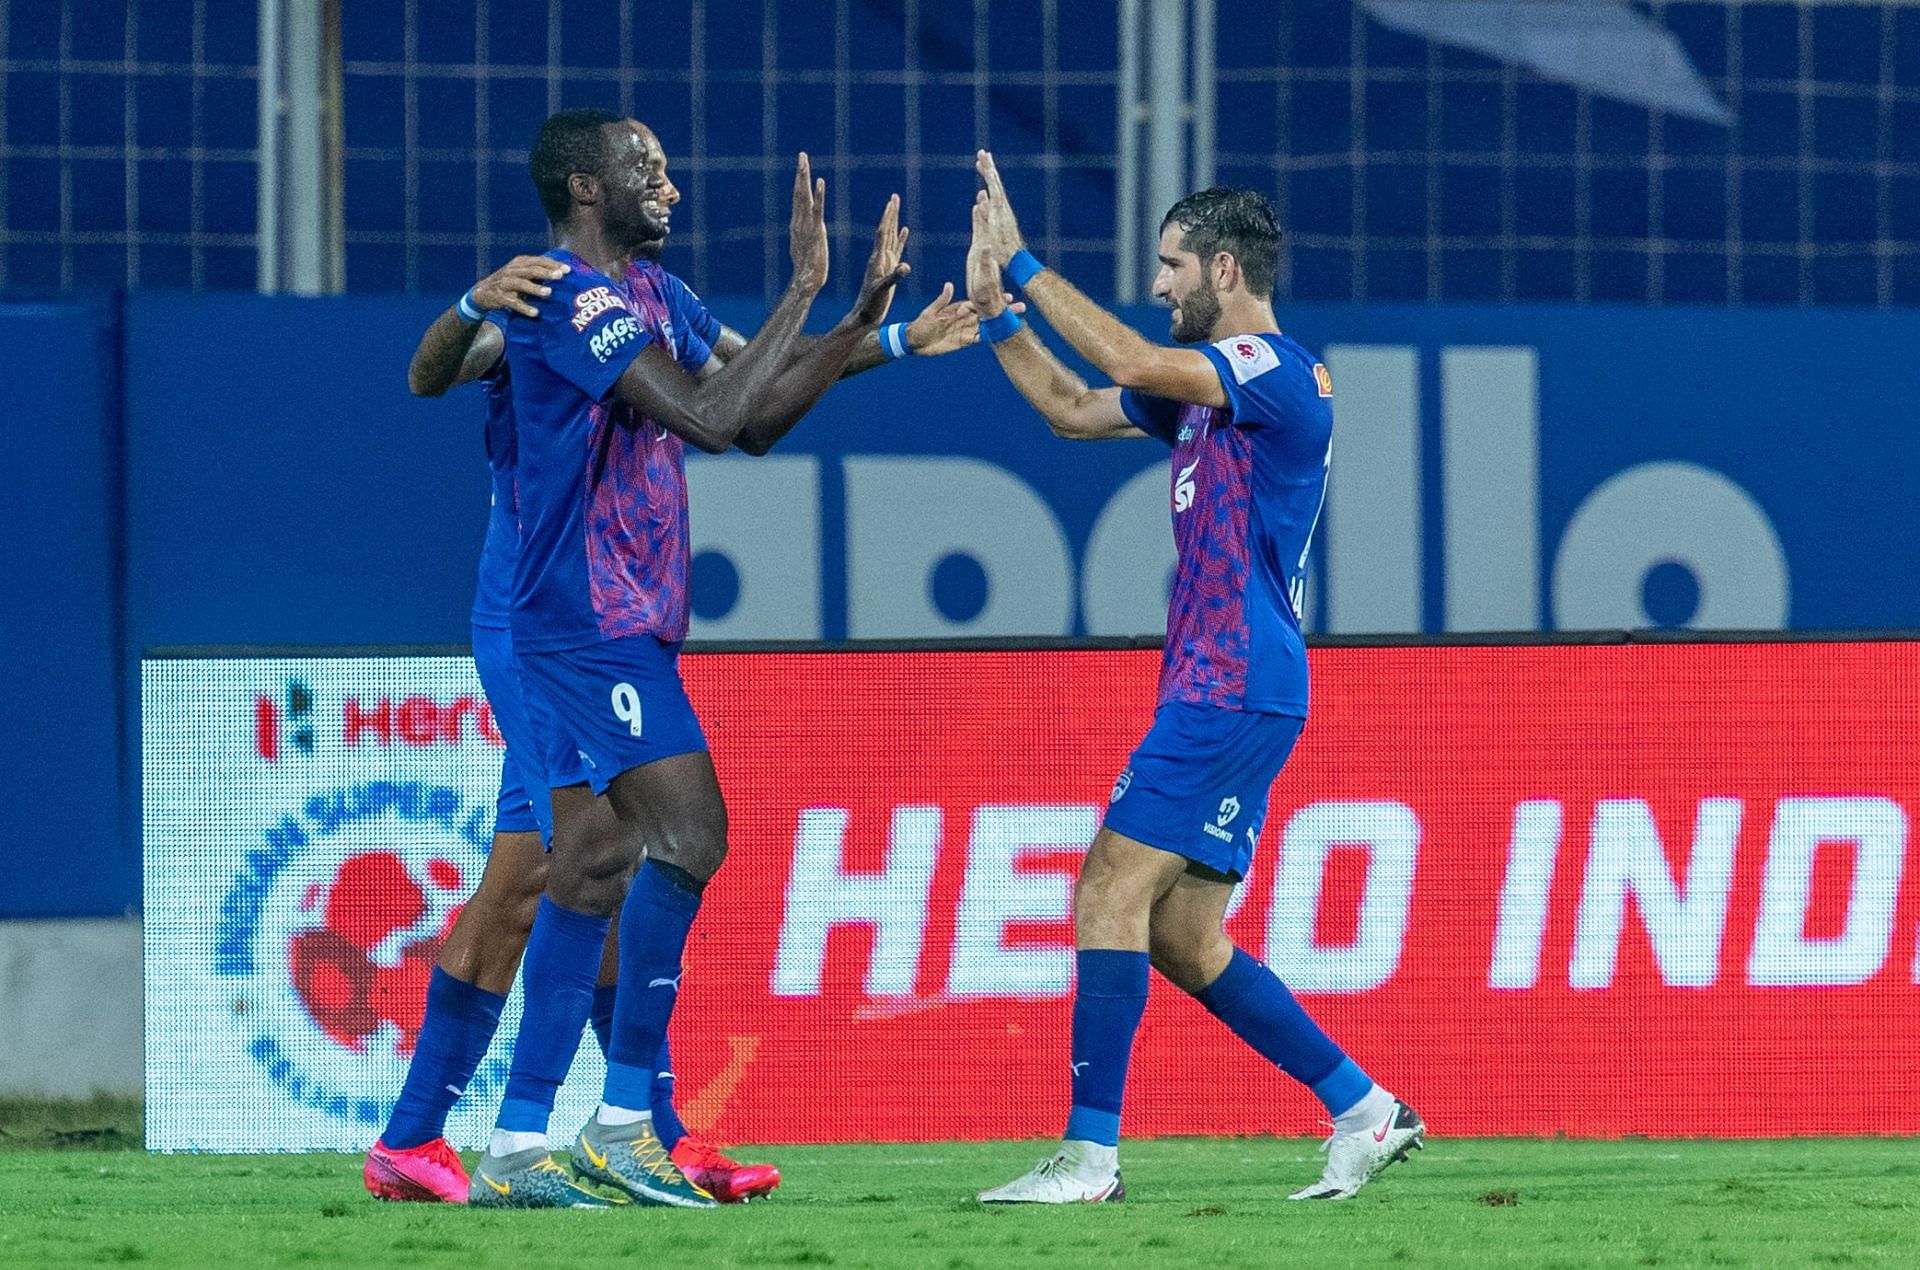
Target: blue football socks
1107, 1005
666, 1121
459, 1025
603, 998
653, 935
1251, 1000
562, 962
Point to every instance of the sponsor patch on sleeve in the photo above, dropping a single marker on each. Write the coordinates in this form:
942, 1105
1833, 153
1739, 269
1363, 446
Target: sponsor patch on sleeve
1322, 378
591, 303
1248, 356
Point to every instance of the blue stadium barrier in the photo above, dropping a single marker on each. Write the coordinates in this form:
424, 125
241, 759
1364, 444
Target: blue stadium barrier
1498, 467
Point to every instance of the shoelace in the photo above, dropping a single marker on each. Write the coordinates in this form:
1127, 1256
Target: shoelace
705, 1155
548, 1166
650, 1155
441, 1152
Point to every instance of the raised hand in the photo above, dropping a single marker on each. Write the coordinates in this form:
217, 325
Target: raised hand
947, 324
983, 265
885, 268
807, 230
523, 276
1003, 231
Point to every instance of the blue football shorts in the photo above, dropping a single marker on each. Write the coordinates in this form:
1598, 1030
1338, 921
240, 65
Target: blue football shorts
1197, 785
524, 805
610, 707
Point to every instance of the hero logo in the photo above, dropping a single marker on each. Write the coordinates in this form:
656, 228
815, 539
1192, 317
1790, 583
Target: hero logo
271, 719
417, 721
1621, 872
590, 304
617, 332
331, 930
1183, 487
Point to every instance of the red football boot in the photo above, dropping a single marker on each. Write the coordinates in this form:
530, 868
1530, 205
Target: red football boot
726, 1179
430, 1173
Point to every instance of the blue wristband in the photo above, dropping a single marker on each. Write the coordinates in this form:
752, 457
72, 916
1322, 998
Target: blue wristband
1003, 325
893, 341
467, 308
1022, 268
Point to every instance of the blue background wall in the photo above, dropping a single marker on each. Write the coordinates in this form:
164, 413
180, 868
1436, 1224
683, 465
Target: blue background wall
231, 469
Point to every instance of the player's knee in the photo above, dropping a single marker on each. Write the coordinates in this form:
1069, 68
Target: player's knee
1109, 911
593, 877
1189, 959
698, 855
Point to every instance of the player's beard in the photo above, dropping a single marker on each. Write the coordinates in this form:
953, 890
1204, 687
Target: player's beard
1199, 313
642, 232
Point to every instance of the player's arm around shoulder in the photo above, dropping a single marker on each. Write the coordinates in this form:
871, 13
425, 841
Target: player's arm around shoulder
466, 342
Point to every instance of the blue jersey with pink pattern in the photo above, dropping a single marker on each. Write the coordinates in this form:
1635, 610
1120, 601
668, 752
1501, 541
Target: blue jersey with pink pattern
1248, 484
601, 489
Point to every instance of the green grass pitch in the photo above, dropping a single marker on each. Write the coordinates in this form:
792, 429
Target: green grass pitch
72, 1191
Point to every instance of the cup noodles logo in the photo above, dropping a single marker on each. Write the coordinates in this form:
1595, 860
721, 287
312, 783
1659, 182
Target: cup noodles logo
591, 303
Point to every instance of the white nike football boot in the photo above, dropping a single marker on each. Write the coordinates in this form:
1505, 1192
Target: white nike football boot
1356, 1158
1078, 1173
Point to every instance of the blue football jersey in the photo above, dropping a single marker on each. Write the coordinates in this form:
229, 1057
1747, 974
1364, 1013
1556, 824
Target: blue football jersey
1248, 484
599, 490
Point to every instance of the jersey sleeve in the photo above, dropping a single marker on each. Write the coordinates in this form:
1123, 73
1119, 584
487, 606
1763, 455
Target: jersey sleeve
1158, 417
694, 354
693, 317
1250, 371
586, 335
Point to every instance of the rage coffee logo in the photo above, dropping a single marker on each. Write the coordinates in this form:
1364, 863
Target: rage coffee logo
331, 931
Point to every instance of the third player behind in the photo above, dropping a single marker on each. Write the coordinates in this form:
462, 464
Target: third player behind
1248, 415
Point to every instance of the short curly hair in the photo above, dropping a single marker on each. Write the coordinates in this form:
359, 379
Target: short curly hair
571, 141
1236, 220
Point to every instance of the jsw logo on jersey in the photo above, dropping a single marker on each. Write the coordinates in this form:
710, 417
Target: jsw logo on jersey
1183, 487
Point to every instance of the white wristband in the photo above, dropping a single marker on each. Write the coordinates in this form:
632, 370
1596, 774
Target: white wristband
467, 309
893, 341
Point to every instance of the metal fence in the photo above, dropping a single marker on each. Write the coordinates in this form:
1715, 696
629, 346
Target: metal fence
1408, 165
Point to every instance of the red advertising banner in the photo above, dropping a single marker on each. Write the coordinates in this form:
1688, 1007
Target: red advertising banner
1593, 890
